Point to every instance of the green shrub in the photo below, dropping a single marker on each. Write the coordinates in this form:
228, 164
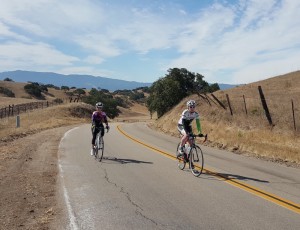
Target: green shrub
33, 89
7, 92
58, 101
7, 79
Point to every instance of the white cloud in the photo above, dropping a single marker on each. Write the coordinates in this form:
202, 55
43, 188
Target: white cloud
93, 59
28, 55
248, 49
98, 44
52, 18
87, 70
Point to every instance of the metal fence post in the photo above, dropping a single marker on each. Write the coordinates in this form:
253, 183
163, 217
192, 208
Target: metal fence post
17, 121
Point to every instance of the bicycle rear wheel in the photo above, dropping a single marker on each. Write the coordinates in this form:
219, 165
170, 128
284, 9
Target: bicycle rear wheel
101, 148
181, 163
196, 160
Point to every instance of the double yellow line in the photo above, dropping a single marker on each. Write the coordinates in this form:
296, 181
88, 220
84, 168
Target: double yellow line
246, 187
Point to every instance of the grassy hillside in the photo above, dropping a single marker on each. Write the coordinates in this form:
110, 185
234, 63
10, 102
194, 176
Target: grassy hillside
21, 96
249, 133
34, 121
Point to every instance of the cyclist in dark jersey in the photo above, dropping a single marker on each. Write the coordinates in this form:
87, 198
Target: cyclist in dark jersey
184, 124
98, 118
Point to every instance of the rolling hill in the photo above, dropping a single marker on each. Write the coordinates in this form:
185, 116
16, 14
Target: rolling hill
78, 81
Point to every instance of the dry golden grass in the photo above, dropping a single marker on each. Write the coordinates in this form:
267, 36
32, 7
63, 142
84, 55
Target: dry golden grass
136, 112
16, 87
278, 91
22, 97
41, 119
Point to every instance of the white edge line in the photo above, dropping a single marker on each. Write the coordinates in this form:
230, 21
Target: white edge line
73, 225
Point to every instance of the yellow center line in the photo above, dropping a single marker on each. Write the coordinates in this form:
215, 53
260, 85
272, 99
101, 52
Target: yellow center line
246, 187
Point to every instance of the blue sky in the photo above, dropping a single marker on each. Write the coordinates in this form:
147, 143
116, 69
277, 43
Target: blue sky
139, 40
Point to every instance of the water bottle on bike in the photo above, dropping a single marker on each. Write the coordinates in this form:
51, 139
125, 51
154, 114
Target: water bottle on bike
187, 149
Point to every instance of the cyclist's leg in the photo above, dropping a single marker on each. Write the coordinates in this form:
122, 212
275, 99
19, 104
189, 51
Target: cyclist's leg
181, 162
182, 141
101, 129
94, 133
189, 131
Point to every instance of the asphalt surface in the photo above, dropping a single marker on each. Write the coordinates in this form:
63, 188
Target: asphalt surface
139, 186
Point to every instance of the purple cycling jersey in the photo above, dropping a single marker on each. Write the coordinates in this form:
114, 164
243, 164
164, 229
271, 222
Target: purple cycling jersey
99, 118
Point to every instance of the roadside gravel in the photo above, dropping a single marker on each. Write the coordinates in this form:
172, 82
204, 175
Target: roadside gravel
29, 180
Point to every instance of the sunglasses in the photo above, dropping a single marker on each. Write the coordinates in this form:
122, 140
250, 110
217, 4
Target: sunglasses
192, 107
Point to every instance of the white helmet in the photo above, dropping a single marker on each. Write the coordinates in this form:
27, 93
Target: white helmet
99, 105
191, 103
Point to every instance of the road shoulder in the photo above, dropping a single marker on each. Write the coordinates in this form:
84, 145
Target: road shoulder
29, 181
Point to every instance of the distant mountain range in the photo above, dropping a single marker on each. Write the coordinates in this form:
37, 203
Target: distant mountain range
226, 86
78, 81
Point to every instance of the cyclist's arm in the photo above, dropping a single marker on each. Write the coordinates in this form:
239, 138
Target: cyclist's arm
199, 129
106, 121
93, 119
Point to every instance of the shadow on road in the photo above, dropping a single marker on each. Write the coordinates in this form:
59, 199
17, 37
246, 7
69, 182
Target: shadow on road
227, 176
125, 161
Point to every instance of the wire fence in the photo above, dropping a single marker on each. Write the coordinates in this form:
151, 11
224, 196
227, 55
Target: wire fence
277, 110
12, 110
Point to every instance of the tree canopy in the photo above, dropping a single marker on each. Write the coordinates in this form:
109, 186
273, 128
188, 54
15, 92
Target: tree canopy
35, 89
110, 104
168, 91
7, 79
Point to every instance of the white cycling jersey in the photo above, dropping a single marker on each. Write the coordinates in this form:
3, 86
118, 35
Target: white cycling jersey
188, 116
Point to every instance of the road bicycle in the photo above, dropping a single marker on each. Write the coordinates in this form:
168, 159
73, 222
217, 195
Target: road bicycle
99, 146
194, 155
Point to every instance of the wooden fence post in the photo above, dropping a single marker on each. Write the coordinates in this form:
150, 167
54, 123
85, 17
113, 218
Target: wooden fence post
295, 128
265, 106
245, 105
204, 98
229, 104
220, 103
207, 99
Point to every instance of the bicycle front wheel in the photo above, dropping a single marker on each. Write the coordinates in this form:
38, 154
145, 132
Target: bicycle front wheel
196, 160
101, 148
181, 163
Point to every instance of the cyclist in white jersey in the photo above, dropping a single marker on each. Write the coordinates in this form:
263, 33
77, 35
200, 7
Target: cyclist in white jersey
184, 124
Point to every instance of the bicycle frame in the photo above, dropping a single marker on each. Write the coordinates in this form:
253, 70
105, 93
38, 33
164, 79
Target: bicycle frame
194, 156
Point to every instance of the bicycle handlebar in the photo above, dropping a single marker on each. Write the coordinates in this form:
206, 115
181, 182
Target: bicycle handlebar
198, 135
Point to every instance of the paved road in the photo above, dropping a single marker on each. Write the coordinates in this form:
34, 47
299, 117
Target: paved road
140, 187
